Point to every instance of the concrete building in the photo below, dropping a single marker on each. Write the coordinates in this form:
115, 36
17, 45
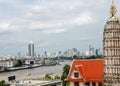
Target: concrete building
91, 50
86, 73
88, 53
72, 51
3, 63
31, 49
8, 63
75, 51
97, 52
111, 49
29, 62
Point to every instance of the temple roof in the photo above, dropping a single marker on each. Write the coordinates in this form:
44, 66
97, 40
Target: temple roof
89, 70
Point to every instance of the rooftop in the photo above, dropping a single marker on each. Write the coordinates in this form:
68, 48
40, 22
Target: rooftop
90, 70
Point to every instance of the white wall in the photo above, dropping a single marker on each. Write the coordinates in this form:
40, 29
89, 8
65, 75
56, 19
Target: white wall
10, 64
3, 63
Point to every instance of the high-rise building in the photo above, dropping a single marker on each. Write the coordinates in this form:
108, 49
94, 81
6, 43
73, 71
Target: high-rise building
87, 53
96, 52
31, 49
111, 49
70, 52
75, 52
45, 54
91, 50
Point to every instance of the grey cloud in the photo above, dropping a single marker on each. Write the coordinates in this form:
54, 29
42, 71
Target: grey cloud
59, 23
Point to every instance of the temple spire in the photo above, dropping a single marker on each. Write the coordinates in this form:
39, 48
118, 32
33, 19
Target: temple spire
113, 9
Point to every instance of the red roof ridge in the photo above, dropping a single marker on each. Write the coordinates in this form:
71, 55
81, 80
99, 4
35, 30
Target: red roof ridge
78, 65
89, 60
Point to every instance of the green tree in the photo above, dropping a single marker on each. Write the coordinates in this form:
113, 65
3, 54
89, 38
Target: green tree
99, 57
66, 69
64, 76
75, 57
57, 77
19, 63
2, 83
48, 77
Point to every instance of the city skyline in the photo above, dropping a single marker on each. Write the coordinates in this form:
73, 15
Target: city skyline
52, 25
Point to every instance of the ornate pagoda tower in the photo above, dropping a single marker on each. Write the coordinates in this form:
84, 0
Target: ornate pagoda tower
111, 49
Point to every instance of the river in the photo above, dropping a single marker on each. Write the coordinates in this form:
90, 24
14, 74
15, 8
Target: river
35, 72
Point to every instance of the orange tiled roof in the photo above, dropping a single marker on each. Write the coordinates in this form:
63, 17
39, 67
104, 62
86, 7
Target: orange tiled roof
90, 70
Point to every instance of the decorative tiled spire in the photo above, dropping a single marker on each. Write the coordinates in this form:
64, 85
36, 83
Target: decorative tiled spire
113, 9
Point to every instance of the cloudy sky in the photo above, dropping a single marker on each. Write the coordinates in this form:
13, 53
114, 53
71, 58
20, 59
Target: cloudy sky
52, 25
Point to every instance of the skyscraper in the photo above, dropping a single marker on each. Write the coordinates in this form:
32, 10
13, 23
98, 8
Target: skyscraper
31, 49
111, 49
70, 52
91, 50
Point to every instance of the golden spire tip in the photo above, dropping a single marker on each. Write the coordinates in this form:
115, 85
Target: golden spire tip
113, 9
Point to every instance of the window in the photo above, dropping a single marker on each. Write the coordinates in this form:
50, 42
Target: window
76, 84
76, 75
87, 84
100, 84
93, 84
75, 69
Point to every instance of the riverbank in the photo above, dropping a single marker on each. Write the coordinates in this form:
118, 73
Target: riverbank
37, 72
19, 68
22, 68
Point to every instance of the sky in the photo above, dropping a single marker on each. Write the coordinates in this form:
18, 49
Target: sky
52, 25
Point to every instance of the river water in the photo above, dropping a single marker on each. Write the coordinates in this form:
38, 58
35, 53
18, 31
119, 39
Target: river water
35, 72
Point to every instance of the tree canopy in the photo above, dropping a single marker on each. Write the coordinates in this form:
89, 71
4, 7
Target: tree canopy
66, 69
2, 83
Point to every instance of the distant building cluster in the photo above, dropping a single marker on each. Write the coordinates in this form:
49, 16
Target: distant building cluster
68, 53
92, 51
